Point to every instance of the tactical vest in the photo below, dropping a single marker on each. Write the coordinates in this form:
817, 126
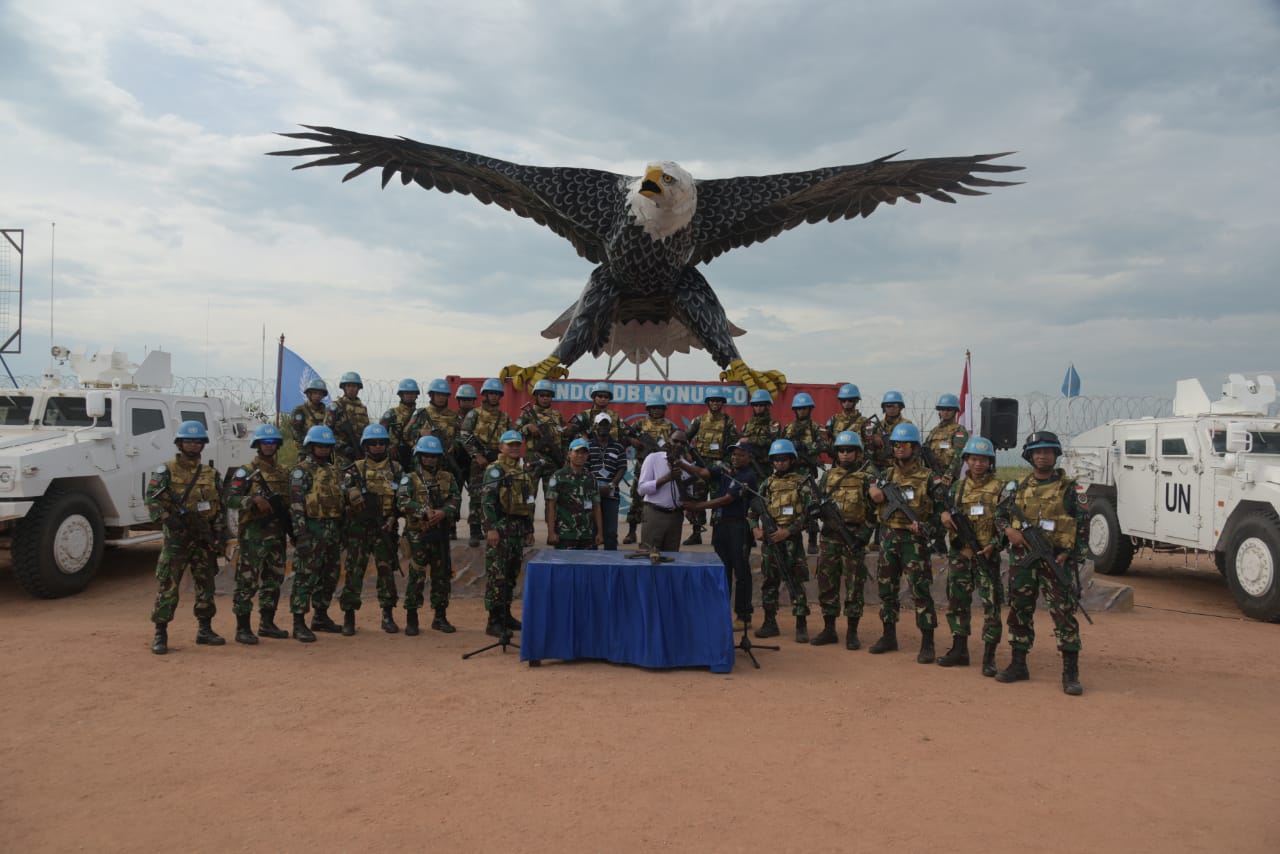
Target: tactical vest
490, 425
588, 420
324, 498
805, 432
1045, 501
353, 413
659, 431
914, 483
841, 422
712, 438
276, 478
761, 430
442, 419
381, 479
204, 494
426, 490
306, 416
846, 487
396, 420
972, 494
514, 487
785, 502
945, 441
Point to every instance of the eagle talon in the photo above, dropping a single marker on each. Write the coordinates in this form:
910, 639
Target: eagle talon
548, 369
774, 382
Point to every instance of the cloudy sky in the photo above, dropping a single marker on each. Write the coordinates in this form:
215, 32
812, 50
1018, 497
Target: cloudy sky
1143, 246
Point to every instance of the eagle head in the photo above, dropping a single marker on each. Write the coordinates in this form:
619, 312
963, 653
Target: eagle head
663, 201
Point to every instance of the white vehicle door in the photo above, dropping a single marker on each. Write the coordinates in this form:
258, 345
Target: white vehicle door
148, 442
1136, 479
1179, 493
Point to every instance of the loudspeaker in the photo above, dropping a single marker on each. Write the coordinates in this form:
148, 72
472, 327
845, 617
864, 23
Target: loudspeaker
1000, 421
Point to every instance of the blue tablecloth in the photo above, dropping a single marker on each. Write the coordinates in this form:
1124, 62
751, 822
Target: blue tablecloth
597, 604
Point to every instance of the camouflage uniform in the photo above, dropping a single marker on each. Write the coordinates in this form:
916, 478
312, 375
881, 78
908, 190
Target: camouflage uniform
1054, 504
541, 462
806, 435
789, 498
575, 495
262, 538
836, 561
420, 490
479, 432
659, 430
903, 551
853, 422
347, 419
397, 420
584, 423
882, 457
316, 502
945, 442
372, 529
186, 491
442, 422
506, 502
761, 430
304, 417
967, 570
711, 435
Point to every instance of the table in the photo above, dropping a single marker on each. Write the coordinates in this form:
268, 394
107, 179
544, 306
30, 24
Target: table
598, 604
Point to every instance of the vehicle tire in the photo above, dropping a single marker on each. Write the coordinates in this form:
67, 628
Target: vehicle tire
1253, 567
57, 548
1112, 551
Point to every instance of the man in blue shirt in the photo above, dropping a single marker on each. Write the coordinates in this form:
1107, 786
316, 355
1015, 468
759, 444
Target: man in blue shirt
730, 533
607, 462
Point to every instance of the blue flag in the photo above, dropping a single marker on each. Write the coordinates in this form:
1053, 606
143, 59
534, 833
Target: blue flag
1071, 383
295, 373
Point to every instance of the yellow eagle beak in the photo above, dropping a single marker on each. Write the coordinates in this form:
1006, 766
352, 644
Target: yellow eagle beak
652, 183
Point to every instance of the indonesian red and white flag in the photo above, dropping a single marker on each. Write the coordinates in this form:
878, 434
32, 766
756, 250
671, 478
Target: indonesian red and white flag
966, 397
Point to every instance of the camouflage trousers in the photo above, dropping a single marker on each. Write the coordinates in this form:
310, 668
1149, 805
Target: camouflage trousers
316, 560
784, 563
428, 553
175, 557
1025, 585
963, 576
260, 569
838, 563
701, 490
902, 551
501, 569
365, 541
635, 509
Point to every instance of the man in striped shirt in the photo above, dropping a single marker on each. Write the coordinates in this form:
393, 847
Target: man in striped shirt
607, 462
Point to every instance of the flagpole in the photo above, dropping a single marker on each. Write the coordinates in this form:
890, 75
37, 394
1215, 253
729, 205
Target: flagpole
279, 368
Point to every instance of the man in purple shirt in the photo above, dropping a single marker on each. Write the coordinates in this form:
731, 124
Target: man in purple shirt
661, 488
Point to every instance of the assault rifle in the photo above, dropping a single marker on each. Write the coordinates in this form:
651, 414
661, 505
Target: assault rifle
930, 459
870, 427
548, 437
450, 461
438, 532
896, 502
192, 528
1040, 550
279, 507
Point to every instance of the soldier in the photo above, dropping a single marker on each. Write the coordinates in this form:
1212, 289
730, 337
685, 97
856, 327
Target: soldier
648, 434
397, 419
260, 492
846, 483
878, 440
347, 418
848, 418
1047, 499
583, 424
946, 440
506, 501
437, 419
430, 501
735, 484
466, 399
762, 431
904, 542
974, 564
573, 503
183, 496
316, 503
711, 434
543, 429
373, 527
309, 413
806, 436
789, 499
479, 434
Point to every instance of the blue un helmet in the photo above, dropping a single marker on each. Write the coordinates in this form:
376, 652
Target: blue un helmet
544, 385
849, 391
781, 447
511, 437
761, 396
319, 435
1041, 439
351, 377
801, 400
905, 433
492, 385
847, 439
375, 433
317, 384
407, 384
601, 388
429, 445
892, 397
466, 391
438, 386
191, 431
979, 446
579, 445
265, 433
948, 401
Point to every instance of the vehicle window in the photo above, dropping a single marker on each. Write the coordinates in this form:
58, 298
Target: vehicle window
1135, 447
1173, 447
1219, 439
70, 412
1265, 441
194, 416
15, 410
147, 420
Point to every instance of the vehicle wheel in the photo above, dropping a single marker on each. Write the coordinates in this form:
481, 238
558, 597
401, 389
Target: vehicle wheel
1253, 557
1112, 551
1220, 561
57, 548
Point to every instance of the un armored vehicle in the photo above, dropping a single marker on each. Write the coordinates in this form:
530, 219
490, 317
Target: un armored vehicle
74, 462
1206, 478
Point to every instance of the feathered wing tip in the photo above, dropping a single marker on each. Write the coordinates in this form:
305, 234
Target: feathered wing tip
637, 340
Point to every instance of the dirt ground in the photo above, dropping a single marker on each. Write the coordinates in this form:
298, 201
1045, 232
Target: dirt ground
383, 742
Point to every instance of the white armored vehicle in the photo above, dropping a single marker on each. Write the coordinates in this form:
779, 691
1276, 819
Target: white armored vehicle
74, 462
1206, 477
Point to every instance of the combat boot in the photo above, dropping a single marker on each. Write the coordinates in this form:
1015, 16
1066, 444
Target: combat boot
802, 630
958, 655
348, 623
989, 659
474, 540
509, 621
851, 637
411, 622
205, 635
1017, 669
160, 643
320, 622
926, 653
813, 542
494, 627
694, 539
888, 640
244, 632
300, 630
267, 627
389, 622
1071, 673
631, 534
769, 628
441, 623
828, 634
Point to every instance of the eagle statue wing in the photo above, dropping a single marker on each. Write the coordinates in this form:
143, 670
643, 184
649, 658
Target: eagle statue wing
580, 205
735, 212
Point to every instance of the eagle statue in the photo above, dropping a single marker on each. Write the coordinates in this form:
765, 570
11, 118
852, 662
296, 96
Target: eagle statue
648, 234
